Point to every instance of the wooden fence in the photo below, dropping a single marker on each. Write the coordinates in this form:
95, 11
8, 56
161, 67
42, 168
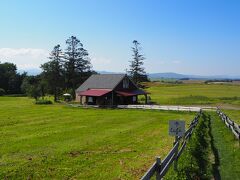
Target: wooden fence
234, 127
160, 168
145, 106
158, 107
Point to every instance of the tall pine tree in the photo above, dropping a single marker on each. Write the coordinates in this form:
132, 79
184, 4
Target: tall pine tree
137, 72
53, 72
77, 63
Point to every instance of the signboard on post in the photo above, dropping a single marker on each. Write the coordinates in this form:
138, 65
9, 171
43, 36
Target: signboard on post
176, 128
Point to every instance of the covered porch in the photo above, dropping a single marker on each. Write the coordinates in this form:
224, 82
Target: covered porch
95, 97
125, 97
110, 98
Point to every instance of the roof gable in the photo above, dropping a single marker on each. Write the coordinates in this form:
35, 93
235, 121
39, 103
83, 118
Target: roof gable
101, 81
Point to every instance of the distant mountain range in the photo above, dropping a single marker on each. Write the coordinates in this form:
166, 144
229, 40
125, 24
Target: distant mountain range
167, 75
171, 75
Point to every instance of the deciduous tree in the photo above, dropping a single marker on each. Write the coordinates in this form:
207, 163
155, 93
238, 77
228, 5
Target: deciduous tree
34, 86
10, 80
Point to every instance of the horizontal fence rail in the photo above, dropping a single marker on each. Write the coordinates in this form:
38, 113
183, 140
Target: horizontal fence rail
160, 168
234, 127
158, 107
145, 106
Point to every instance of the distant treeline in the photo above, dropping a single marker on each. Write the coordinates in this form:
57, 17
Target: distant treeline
221, 80
63, 73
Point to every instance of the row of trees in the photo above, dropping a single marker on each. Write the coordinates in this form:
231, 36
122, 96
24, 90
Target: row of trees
64, 71
10, 80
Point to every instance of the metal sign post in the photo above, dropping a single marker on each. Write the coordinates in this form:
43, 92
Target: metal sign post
177, 129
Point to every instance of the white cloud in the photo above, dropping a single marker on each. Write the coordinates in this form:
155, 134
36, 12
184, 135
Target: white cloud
24, 58
100, 60
176, 62
161, 62
10, 52
28, 66
100, 63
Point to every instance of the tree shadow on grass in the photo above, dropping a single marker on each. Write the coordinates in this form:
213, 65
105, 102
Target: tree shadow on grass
216, 164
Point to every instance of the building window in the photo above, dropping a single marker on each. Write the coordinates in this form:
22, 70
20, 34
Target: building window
125, 83
90, 99
134, 98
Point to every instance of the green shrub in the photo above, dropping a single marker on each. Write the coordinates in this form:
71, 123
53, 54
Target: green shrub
43, 101
2, 92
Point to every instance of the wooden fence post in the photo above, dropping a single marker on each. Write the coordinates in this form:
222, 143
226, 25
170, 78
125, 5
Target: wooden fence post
158, 171
175, 155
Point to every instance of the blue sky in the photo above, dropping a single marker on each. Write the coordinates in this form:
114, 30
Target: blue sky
184, 36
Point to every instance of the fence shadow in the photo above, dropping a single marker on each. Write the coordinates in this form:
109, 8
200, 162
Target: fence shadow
216, 164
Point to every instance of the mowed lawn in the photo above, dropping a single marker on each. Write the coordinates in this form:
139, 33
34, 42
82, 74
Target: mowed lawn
60, 142
191, 94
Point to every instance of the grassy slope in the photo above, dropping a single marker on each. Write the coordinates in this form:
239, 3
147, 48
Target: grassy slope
183, 94
39, 141
228, 149
234, 115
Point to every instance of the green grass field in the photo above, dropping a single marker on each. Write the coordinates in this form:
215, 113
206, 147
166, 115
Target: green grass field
192, 94
61, 142
55, 141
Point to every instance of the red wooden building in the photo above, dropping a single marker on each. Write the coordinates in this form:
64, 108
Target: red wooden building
108, 89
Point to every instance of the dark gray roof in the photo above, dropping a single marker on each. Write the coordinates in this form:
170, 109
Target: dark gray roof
101, 81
